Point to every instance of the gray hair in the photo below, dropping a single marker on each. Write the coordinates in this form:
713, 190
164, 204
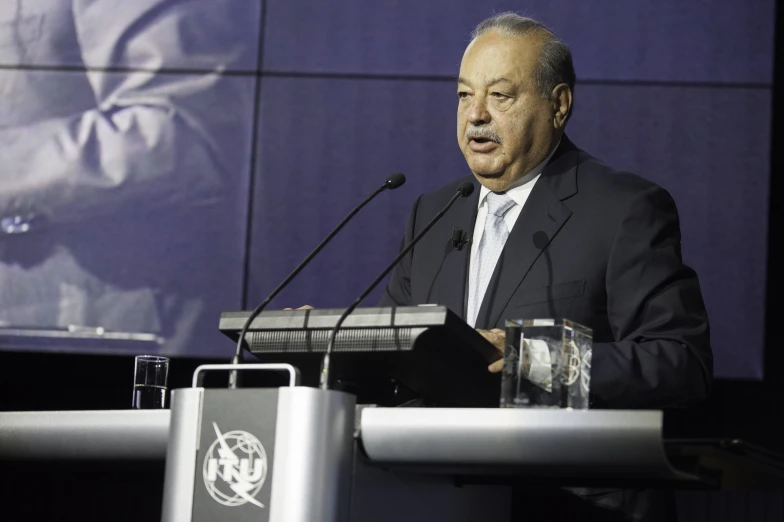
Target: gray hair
555, 61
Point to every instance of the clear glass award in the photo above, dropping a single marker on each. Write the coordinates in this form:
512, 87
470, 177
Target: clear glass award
547, 364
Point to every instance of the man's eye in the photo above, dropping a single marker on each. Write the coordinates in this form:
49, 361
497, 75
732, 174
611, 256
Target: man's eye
498, 95
462, 95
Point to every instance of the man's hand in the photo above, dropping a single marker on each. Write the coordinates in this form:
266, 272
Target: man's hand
497, 338
306, 307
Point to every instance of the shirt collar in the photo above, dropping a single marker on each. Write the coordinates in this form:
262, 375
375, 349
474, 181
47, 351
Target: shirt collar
519, 190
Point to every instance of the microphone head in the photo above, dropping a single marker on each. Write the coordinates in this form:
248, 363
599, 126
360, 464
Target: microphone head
466, 189
395, 180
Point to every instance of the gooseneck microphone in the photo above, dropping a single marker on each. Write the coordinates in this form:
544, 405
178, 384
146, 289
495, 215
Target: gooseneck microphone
392, 182
465, 189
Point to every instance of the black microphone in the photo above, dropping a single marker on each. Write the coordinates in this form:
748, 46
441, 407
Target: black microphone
392, 182
459, 238
465, 189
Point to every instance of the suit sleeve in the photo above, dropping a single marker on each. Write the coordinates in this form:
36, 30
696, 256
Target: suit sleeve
662, 356
398, 291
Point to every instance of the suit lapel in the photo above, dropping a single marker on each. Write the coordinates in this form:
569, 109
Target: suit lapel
541, 218
449, 284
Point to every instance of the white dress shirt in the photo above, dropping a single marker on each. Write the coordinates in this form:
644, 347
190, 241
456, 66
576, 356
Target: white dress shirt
540, 367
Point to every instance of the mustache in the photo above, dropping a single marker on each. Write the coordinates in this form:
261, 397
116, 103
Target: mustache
483, 133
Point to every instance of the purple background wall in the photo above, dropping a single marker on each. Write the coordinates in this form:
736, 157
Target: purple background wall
310, 104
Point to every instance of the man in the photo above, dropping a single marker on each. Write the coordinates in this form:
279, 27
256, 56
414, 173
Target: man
115, 174
558, 234
580, 241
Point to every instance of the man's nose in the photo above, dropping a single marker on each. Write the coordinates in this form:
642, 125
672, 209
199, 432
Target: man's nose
477, 112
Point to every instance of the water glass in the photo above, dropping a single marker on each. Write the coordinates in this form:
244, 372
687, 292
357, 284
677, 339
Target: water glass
149, 382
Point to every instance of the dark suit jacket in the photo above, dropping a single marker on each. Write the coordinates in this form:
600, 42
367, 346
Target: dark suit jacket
594, 245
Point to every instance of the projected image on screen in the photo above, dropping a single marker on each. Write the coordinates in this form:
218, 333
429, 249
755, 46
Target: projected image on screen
123, 154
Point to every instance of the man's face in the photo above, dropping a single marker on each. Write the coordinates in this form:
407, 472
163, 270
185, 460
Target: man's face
504, 127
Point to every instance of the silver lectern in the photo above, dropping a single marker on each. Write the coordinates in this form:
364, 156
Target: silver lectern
272, 455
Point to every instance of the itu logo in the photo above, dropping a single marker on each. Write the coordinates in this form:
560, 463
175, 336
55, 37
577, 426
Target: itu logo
235, 468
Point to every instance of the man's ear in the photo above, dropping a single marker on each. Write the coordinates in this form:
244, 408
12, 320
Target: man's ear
562, 105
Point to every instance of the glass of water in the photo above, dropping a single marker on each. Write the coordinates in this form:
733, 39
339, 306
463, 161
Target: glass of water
149, 382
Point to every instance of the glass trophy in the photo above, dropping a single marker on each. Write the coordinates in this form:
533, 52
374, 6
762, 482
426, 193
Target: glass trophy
547, 364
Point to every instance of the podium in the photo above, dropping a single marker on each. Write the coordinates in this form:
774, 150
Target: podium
403, 463
297, 453
281, 454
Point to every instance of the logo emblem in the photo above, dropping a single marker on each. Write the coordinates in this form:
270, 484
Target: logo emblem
235, 468
586, 372
571, 369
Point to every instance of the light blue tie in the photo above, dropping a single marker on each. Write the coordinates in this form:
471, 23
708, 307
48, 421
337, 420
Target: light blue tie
487, 253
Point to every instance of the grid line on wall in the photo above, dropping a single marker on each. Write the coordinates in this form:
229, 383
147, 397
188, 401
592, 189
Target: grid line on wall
261, 73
